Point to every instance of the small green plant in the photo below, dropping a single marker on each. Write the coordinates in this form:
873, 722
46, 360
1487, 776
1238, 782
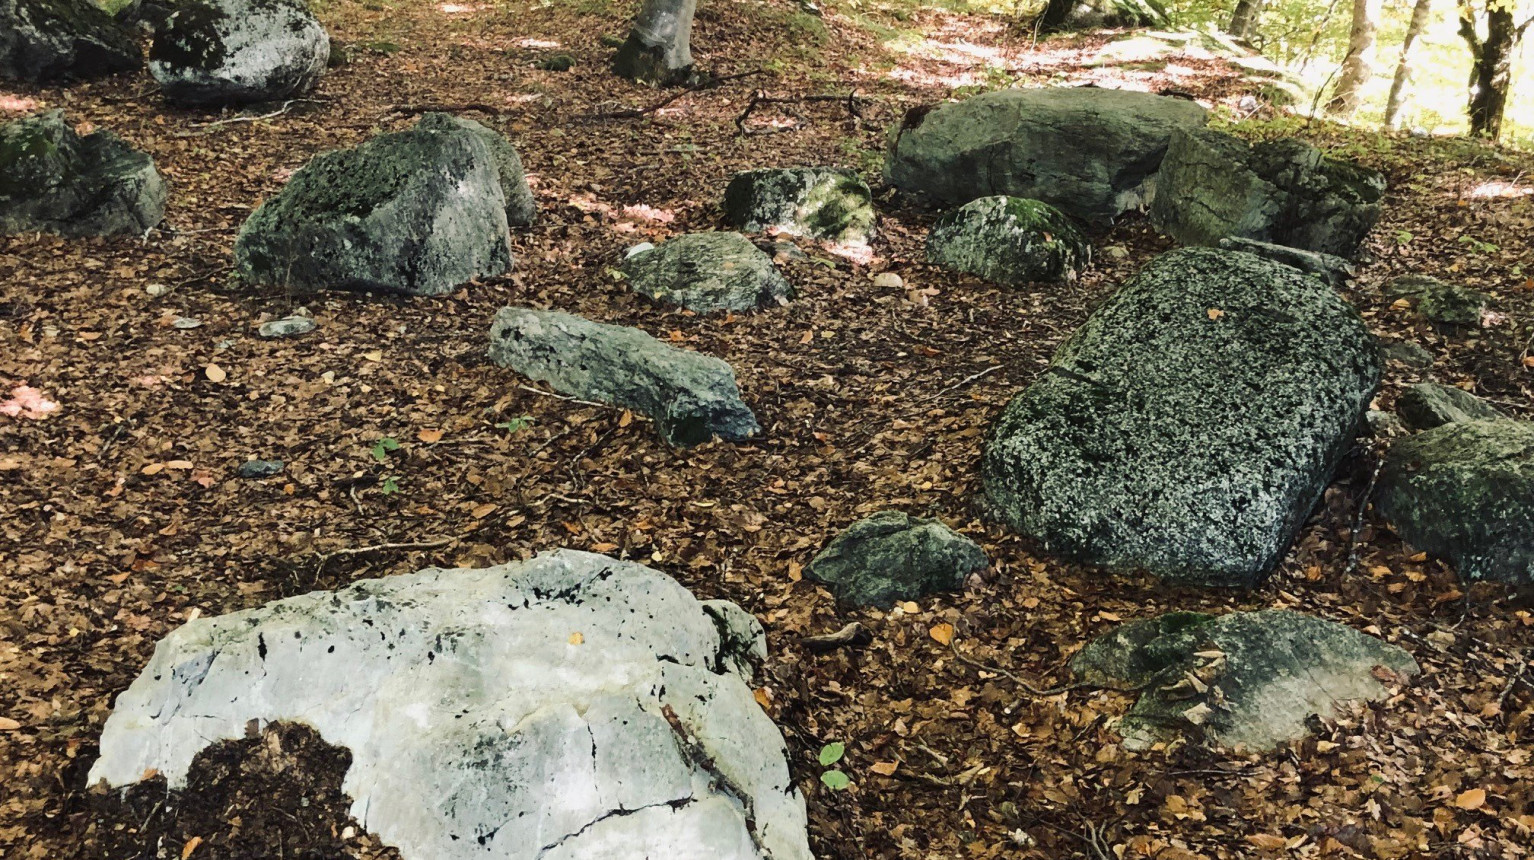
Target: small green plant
383, 448
390, 486
1404, 237
515, 425
830, 754
1476, 246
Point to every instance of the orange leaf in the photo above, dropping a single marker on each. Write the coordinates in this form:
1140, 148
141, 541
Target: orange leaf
763, 698
1267, 840
604, 546
1475, 798
8, 725
884, 768
430, 437
795, 571
577, 638
941, 633
190, 846
1215, 313
484, 510
626, 418
215, 374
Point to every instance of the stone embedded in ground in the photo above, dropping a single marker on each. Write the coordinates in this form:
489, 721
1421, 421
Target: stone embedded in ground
706, 272
1383, 425
1087, 151
260, 468
1405, 352
658, 50
45, 40
521, 208
229, 52
891, 557
1190, 425
1439, 301
1464, 492
286, 327
570, 706
418, 212
818, 202
692, 397
1336, 270
55, 181
1213, 186
1251, 679
1009, 240
1427, 405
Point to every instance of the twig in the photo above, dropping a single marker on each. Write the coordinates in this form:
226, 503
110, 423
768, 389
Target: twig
411, 110
1523, 666
204, 276
566, 397
851, 636
235, 119
636, 113
760, 97
326, 559
953, 645
1358, 517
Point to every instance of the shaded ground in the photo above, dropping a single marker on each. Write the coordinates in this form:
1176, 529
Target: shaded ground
122, 516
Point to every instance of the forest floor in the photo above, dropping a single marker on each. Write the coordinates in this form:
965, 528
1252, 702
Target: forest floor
122, 515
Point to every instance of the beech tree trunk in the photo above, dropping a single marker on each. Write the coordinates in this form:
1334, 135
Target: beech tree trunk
1400, 86
1243, 21
1358, 65
658, 50
1491, 68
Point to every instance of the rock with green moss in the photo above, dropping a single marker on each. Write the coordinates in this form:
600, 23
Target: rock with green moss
892, 556
521, 207
1250, 679
707, 272
1089, 152
46, 40
1440, 301
55, 181
417, 212
1190, 425
1464, 491
229, 52
1427, 405
818, 202
1009, 240
1213, 186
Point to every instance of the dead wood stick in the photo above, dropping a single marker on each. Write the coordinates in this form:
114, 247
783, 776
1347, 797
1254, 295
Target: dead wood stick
480, 107
379, 547
636, 113
953, 645
1358, 516
851, 636
760, 97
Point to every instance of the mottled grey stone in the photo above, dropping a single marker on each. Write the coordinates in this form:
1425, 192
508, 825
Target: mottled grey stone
1009, 240
692, 397
286, 327
706, 272
253, 469
891, 557
1251, 679
1190, 425
1087, 151
45, 40
521, 208
1410, 354
55, 181
417, 212
818, 202
1213, 186
1439, 301
1336, 270
1427, 405
1464, 492
228, 52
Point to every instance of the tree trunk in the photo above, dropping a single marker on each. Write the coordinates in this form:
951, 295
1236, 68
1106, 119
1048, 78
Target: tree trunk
1358, 65
1491, 68
1399, 91
658, 50
1243, 21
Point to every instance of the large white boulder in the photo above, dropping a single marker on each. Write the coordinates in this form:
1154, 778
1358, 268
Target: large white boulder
567, 706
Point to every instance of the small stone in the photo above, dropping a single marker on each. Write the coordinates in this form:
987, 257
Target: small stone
1009, 240
286, 327
888, 280
1427, 405
707, 272
260, 468
817, 202
1407, 353
156, 290
186, 323
892, 557
1115, 253
1439, 301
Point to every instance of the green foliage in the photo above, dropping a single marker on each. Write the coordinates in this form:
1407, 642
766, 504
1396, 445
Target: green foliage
835, 780
390, 486
832, 753
383, 448
515, 425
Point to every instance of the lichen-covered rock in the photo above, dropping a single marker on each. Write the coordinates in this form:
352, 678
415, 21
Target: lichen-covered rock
228, 52
818, 202
1427, 405
1336, 270
1247, 678
1087, 151
692, 397
521, 207
1190, 425
891, 557
45, 40
1009, 240
706, 272
1213, 186
1439, 301
570, 706
53, 180
417, 212
1464, 492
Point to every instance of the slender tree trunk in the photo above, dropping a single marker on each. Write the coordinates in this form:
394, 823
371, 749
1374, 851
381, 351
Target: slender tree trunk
1399, 90
1358, 65
1491, 68
1243, 21
658, 50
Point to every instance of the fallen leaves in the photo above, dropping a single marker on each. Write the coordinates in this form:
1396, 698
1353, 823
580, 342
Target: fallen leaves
942, 634
215, 373
1472, 799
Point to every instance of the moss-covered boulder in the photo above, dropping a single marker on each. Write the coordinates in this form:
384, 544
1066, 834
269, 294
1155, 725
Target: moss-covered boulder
1440, 301
521, 207
1009, 240
818, 202
228, 52
1213, 186
1464, 492
45, 40
892, 556
53, 180
1190, 425
1249, 679
706, 272
418, 212
1427, 405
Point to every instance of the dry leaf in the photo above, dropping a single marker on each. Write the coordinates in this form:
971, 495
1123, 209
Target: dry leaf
884, 768
1215, 313
1267, 840
430, 437
190, 846
941, 633
8, 725
215, 373
577, 638
1475, 798
484, 510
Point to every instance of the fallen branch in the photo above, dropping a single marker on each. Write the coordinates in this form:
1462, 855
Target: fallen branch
237, 119
953, 645
636, 113
478, 107
326, 559
1358, 516
852, 636
760, 98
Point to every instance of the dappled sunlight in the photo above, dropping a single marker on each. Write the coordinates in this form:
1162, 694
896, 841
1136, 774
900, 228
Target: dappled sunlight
922, 78
458, 9
538, 43
27, 402
12, 103
1493, 188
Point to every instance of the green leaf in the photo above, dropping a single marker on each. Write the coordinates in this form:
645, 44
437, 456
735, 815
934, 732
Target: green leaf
516, 424
390, 486
835, 780
383, 446
831, 753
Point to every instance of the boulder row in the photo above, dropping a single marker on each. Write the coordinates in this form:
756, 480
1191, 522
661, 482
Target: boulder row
53, 180
1247, 679
1090, 152
691, 397
818, 202
45, 40
1009, 240
230, 52
891, 557
570, 706
1190, 425
706, 272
